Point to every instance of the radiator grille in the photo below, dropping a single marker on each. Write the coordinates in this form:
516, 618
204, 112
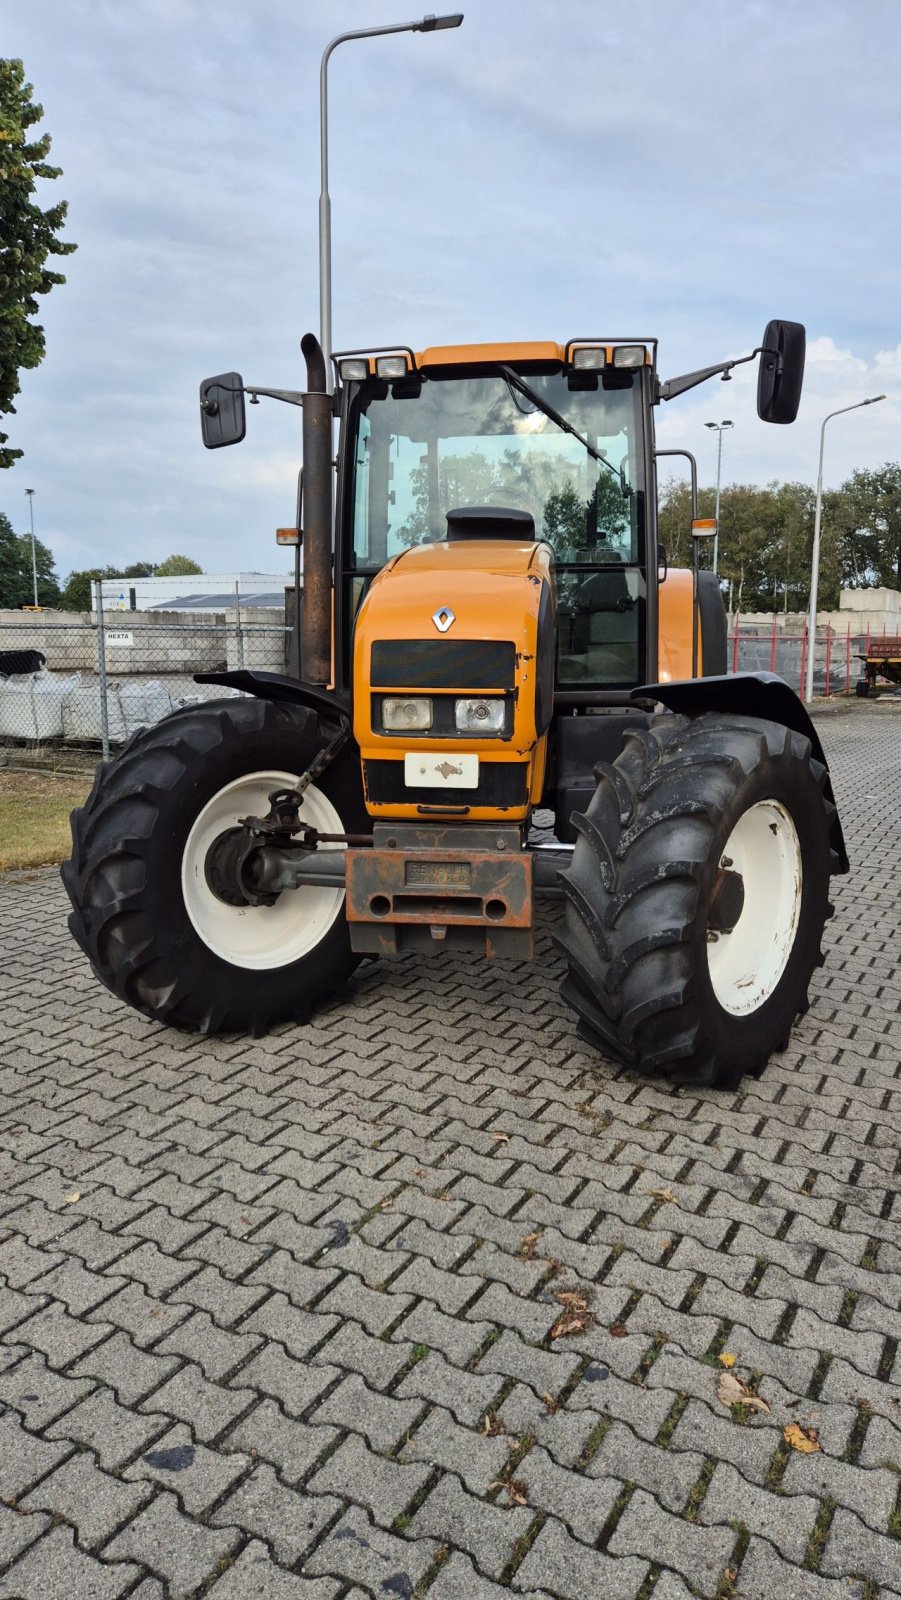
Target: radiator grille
443, 664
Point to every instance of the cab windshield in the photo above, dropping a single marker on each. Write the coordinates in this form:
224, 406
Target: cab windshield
426, 447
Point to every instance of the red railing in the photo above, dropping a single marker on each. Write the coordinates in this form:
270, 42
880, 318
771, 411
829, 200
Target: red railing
763, 646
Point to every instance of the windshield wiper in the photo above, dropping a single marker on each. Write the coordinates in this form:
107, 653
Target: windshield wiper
514, 381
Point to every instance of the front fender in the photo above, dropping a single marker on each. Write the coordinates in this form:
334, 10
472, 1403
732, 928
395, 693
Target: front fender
276, 686
750, 694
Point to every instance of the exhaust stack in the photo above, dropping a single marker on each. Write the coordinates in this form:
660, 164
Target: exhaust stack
316, 630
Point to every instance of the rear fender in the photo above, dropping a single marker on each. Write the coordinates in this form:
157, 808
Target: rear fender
275, 686
750, 694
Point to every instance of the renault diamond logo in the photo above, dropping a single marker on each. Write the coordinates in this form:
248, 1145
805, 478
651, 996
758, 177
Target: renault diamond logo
443, 618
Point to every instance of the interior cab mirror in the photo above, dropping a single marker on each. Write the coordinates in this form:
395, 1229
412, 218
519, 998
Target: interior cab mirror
222, 416
781, 371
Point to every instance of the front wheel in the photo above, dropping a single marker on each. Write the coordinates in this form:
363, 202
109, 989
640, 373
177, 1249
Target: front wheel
697, 897
143, 909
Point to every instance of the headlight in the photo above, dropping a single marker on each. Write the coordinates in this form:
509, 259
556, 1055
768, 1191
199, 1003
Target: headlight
400, 715
479, 716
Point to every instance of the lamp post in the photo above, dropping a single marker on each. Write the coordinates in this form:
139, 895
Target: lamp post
426, 25
815, 559
719, 428
34, 563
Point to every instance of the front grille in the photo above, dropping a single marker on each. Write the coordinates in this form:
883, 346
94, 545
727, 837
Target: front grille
443, 664
501, 783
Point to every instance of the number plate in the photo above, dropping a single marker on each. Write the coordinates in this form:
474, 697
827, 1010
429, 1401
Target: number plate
436, 769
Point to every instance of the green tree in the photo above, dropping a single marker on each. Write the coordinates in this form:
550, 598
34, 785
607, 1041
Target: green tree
173, 567
78, 589
870, 530
16, 575
28, 236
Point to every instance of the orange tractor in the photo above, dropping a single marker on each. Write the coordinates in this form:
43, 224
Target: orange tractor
488, 630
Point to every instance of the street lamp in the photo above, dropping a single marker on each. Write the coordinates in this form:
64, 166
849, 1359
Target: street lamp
34, 564
719, 428
426, 25
815, 560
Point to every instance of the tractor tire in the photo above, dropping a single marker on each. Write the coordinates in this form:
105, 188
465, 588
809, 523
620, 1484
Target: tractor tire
143, 912
697, 897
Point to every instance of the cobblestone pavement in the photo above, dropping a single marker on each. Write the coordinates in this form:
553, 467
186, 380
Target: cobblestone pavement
278, 1316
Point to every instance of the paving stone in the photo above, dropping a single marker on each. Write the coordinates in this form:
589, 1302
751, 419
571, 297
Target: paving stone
698, 1554
355, 1549
299, 1331
39, 1394
869, 1492
787, 1523
113, 1431
467, 1394
385, 1488
24, 1459
95, 1501
130, 1371
667, 1474
488, 1532
457, 1338
162, 1538
749, 1448
764, 1575
207, 1407
216, 1351
18, 1531
145, 1319
852, 1547
376, 1360
382, 1421
254, 1576
288, 1521
293, 1447
61, 1338
198, 1475
458, 1580
558, 1562
55, 1566
296, 1384
475, 1458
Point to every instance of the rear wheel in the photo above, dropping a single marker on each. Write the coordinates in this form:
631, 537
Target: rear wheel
697, 897
143, 909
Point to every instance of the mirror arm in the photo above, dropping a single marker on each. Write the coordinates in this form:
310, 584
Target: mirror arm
689, 380
291, 396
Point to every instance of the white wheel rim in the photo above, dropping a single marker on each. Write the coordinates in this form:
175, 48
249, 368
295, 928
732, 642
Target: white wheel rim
257, 937
746, 965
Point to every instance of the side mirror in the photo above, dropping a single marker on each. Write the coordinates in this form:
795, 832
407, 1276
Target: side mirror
222, 417
781, 371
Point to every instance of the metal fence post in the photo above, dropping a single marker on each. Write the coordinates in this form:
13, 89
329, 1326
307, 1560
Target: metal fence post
239, 635
101, 669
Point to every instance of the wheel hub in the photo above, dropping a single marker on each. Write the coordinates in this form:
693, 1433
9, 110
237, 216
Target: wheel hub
726, 901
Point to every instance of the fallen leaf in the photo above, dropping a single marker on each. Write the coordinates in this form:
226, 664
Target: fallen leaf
617, 1330
386, 1205
493, 1426
518, 1492
70, 1199
550, 1404
730, 1574
727, 1359
733, 1391
663, 1194
806, 1440
419, 1172
577, 1299
571, 1322
527, 1244
501, 1138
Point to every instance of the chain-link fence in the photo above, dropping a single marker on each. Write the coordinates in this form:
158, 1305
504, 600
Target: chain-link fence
92, 681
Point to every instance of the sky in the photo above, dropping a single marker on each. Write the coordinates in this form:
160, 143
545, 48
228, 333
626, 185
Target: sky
551, 169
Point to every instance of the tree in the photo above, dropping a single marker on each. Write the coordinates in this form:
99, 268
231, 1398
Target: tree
173, 567
78, 589
16, 575
870, 538
28, 236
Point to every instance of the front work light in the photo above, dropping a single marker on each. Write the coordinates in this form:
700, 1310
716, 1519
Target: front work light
391, 366
479, 716
353, 371
629, 355
404, 715
590, 358
287, 536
